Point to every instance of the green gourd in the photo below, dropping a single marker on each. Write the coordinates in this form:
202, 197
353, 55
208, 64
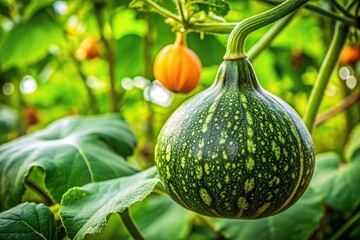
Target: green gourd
235, 150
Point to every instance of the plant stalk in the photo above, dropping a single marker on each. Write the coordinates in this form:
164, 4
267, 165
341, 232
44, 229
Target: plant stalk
47, 200
157, 8
324, 12
269, 36
342, 106
110, 57
346, 226
91, 97
339, 7
235, 48
326, 69
130, 225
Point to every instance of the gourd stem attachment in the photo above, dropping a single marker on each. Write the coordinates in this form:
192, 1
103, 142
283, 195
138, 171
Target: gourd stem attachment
130, 225
326, 69
180, 38
235, 48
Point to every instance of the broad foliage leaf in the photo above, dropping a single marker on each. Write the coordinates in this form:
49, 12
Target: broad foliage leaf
353, 145
298, 222
25, 43
160, 212
338, 182
8, 118
72, 152
28, 221
85, 209
130, 59
218, 7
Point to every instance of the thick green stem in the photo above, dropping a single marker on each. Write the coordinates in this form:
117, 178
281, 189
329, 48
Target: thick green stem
130, 225
222, 28
340, 8
346, 226
235, 48
91, 97
324, 75
157, 8
47, 200
324, 12
110, 57
265, 41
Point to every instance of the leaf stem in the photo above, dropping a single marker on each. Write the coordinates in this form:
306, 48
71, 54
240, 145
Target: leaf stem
182, 14
326, 69
91, 97
346, 226
350, 21
47, 200
269, 36
339, 7
235, 48
110, 57
130, 225
342, 106
157, 8
210, 226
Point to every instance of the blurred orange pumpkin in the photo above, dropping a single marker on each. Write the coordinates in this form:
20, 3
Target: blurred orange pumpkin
177, 67
350, 55
89, 48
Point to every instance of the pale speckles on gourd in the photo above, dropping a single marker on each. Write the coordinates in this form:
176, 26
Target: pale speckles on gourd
168, 174
269, 196
201, 143
275, 180
199, 172
250, 163
227, 179
249, 118
251, 146
207, 168
224, 155
168, 152
250, 132
183, 162
262, 209
249, 185
205, 197
276, 149
227, 166
243, 205
286, 168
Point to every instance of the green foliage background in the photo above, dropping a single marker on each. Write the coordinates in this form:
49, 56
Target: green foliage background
38, 41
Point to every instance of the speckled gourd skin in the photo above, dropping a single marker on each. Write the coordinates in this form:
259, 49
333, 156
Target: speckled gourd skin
234, 150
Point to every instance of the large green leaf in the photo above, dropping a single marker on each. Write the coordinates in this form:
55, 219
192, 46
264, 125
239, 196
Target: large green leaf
28, 221
338, 182
72, 152
219, 7
160, 212
208, 58
353, 144
8, 118
85, 209
29, 42
129, 56
298, 222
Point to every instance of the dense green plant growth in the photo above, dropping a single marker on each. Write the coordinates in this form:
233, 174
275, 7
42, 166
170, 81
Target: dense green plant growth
80, 112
